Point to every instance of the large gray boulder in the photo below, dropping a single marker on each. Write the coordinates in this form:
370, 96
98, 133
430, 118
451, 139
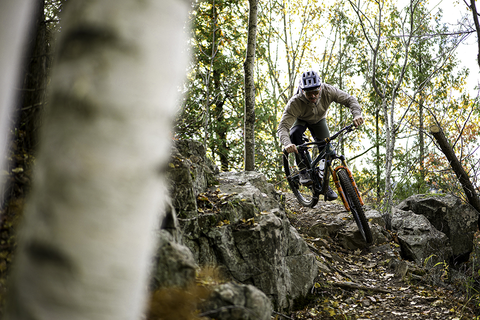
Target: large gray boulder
418, 239
175, 265
233, 301
268, 253
448, 214
341, 226
252, 240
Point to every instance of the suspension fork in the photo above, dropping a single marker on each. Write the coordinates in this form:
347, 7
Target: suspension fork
339, 187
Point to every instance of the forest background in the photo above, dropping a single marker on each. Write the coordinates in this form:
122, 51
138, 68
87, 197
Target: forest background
399, 58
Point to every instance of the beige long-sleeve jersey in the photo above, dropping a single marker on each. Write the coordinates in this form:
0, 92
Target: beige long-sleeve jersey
298, 107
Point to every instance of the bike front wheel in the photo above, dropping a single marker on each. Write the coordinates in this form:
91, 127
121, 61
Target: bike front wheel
306, 195
355, 205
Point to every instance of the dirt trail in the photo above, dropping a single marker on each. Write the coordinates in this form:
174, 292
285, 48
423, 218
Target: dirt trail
373, 283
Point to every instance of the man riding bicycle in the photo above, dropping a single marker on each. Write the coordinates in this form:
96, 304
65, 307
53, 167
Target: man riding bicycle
307, 109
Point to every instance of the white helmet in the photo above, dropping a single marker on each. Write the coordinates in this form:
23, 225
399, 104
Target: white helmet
310, 80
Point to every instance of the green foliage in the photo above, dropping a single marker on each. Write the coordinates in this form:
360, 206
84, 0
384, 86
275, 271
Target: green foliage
338, 42
213, 104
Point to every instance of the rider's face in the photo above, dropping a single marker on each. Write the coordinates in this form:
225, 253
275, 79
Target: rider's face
312, 95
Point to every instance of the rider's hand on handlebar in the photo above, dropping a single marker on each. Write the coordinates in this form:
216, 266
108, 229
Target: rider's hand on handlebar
291, 148
358, 121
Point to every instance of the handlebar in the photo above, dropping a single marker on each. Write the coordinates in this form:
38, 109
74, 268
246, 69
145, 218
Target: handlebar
325, 141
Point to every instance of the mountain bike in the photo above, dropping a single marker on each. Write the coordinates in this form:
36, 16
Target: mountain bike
320, 168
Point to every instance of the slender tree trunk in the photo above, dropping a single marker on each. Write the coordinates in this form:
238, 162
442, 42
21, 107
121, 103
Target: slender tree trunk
85, 248
389, 148
249, 65
208, 76
468, 188
477, 26
421, 135
219, 145
377, 139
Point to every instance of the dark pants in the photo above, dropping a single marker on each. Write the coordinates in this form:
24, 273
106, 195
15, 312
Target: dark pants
318, 130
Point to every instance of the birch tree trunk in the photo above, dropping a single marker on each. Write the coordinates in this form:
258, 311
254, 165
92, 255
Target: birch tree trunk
249, 64
85, 248
385, 91
15, 17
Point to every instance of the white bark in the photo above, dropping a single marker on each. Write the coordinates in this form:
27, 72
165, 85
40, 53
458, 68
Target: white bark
14, 22
86, 245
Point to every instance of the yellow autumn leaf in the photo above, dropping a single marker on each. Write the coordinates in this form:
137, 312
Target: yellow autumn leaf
330, 311
202, 197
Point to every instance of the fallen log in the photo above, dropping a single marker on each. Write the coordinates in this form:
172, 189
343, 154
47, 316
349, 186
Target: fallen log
468, 188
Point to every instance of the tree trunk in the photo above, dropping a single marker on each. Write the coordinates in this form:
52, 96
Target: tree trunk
477, 26
249, 120
421, 136
33, 94
389, 150
219, 145
462, 176
15, 19
85, 248
377, 154
206, 121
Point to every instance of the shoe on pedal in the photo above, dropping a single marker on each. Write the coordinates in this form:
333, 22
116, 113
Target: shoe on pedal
331, 195
305, 179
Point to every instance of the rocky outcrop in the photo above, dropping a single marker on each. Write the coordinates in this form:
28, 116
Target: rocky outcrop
418, 238
250, 237
190, 172
341, 226
235, 221
449, 215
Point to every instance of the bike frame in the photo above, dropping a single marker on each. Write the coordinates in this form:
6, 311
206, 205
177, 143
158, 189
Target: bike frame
329, 158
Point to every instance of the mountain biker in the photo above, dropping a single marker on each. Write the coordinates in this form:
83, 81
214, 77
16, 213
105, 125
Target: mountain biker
307, 109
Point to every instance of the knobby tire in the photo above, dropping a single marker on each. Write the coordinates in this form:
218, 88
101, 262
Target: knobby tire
355, 206
304, 194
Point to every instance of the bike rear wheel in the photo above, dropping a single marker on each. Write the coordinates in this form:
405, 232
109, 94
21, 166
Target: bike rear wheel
355, 206
304, 194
